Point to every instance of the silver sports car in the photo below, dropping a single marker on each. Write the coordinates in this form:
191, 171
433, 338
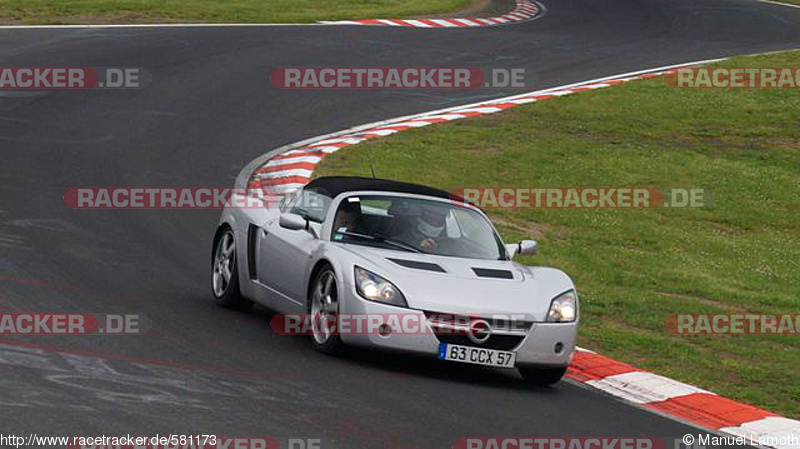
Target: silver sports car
360, 247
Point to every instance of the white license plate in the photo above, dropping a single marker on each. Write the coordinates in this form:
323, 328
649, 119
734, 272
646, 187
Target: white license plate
477, 356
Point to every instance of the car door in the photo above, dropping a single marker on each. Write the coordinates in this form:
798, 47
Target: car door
284, 254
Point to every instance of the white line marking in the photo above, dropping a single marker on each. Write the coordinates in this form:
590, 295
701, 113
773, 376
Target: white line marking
468, 22
444, 116
417, 23
524, 10
340, 22
413, 124
288, 187
293, 160
286, 173
444, 23
302, 151
771, 2
330, 149
380, 132
523, 101
162, 25
486, 110
643, 387
772, 427
349, 140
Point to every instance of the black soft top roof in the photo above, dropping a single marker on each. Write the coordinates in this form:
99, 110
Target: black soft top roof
334, 185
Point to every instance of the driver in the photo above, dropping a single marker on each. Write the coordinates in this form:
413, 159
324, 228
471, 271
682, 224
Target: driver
428, 228
347, 217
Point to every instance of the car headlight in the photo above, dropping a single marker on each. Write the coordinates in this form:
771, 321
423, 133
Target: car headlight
564, 308
375, 288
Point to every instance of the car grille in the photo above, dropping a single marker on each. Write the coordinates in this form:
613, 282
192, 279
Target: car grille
505, 334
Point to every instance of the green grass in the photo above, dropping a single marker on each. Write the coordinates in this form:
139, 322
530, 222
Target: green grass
254, 11
635, 267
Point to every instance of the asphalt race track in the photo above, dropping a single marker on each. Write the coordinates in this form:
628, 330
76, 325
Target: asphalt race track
209, 110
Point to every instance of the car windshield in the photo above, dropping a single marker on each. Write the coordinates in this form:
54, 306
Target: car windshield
416, 225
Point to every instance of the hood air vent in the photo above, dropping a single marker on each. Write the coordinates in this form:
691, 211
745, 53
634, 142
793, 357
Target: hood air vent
490, 273
417, 265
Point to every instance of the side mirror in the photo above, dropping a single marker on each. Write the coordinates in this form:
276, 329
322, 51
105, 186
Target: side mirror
523, 248
292, 222
295, 222
528, 247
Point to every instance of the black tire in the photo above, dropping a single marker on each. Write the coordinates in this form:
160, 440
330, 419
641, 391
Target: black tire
226, 292
332, 343
542, 377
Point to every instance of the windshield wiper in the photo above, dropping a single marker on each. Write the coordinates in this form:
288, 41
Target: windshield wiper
397, 243
382, 239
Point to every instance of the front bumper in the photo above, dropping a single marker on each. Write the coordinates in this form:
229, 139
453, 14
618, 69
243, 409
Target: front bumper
537, 348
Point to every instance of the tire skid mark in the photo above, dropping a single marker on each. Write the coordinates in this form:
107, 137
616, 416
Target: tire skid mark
105, 380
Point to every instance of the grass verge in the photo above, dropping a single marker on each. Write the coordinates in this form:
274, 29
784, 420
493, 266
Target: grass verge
635, 267
241, 11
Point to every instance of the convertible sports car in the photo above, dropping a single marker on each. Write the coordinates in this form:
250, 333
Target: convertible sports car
347, 245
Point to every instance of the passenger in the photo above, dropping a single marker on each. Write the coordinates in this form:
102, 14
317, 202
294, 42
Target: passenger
427, 230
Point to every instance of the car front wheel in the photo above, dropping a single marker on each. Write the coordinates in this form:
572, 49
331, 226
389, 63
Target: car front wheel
323, 306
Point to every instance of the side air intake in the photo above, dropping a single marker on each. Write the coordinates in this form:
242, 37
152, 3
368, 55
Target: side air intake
252, 232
